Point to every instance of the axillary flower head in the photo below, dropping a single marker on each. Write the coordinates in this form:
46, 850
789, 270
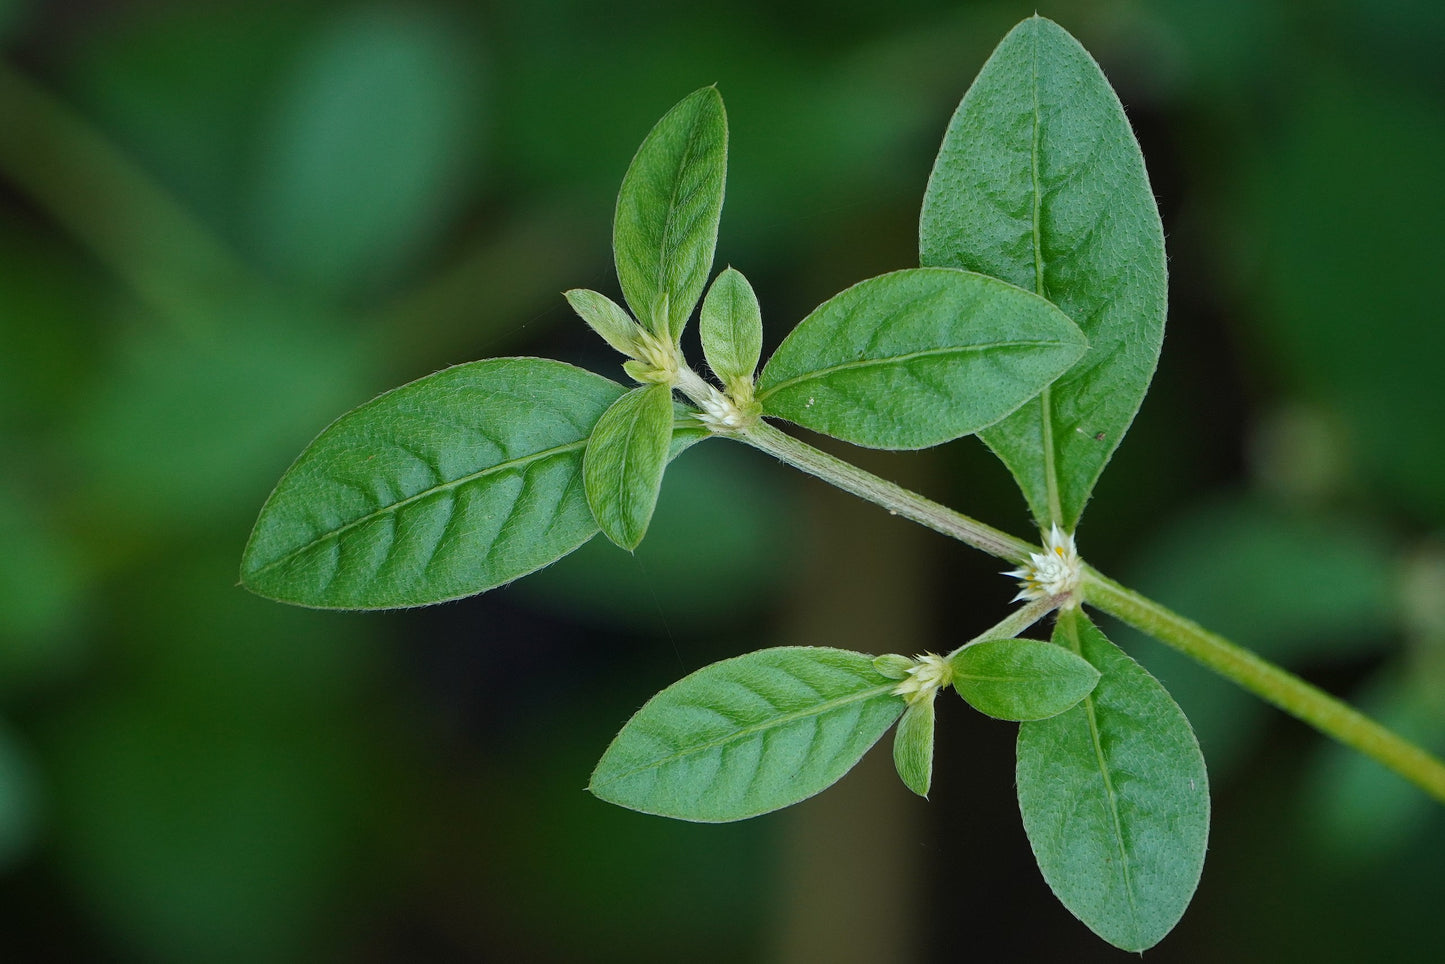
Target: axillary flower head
722, 414
923, 680
654, 360
1053, 572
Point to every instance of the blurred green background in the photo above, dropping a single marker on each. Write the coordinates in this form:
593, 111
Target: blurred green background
222, 224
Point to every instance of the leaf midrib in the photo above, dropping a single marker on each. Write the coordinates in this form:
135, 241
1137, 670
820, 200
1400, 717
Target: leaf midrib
395, 507
902, 359
1110, 794
1046, 414
664, 246
1003, 679
755, 728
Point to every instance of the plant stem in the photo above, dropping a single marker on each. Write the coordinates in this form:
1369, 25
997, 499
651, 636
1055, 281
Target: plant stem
1015, 622
1264, 679
1269, 682
894, 498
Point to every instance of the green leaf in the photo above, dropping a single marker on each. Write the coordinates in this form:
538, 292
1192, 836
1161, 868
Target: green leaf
607, 318
1040, 182
731, 325
1021, 679
625, 458
916, 358
748, 735
1115, 799
665, 230
913, 747
453, 484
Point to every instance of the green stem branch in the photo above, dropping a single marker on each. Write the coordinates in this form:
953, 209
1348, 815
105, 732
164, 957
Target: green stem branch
1264, 679
1269, 682
894, 498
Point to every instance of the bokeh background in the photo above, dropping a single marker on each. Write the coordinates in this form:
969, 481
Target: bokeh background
222, 224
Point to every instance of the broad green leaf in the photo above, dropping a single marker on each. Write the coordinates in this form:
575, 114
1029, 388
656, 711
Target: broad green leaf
1040, 182
607, 318
1115, 799
1021, 679
665, 230
453, 484
748, 735
916, 358
731, 325
623, 465
913, 747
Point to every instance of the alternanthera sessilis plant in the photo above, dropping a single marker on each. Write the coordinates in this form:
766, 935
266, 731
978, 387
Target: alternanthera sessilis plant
1035, 323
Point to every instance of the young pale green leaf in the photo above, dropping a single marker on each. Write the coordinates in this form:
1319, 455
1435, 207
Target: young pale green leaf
916, 358
748, 735
665, 230
607, 318
623, 465
731, 325
1040, 182
913, 747
1021, 679
453, 484
1115, 799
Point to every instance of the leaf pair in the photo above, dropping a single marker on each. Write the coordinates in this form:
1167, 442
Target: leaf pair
1041, 183
1111, 782
771, 728
456, 483
664, 236
1008, 679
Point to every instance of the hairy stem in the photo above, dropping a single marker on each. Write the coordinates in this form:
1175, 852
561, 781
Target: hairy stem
894, 498
1264, 679
1269, 682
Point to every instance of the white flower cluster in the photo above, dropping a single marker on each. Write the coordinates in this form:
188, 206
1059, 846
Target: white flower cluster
925, 678
1053, 572
719, 413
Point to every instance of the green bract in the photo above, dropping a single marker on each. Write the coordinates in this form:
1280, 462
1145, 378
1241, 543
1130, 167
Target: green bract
1115, 799
607, 318
665, 230
917, 358
1040, 182
748, 735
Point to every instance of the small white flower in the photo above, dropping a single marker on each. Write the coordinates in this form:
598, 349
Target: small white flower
719, 413
1053, 572
925, 678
